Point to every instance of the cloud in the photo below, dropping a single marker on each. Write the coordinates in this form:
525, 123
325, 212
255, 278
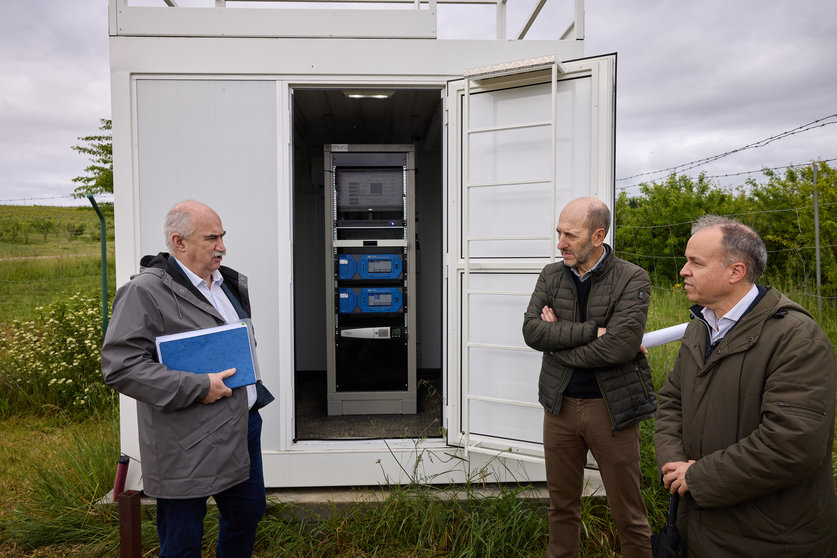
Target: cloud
695, 79
56, 87
699, 79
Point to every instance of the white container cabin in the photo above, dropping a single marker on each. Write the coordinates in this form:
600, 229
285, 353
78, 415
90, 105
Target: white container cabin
232, 103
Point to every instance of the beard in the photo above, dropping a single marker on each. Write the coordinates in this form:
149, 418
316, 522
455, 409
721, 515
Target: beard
582, 255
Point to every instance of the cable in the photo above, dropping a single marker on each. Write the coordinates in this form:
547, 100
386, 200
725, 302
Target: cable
795, 166
819, 123
64, 197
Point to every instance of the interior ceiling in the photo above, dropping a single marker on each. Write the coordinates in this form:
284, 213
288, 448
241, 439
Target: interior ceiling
328, 116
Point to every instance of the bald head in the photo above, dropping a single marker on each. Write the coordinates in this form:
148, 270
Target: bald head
591, 211
181, 220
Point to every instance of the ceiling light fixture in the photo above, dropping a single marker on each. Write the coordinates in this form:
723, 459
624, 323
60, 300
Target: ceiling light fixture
368, 94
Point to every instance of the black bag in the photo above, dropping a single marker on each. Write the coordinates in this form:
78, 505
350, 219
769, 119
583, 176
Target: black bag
666, 543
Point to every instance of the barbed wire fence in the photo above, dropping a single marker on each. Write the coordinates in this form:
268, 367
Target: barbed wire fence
793, 266
62, 200
649, 176
668, 241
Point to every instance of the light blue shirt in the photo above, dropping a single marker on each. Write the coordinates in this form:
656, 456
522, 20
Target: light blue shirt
219, 300
719, 327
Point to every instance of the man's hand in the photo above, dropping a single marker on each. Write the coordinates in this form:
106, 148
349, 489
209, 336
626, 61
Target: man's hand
548, 315
217, 388
674, 476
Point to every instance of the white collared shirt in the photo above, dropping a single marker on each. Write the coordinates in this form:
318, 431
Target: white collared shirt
219, 300
720, 326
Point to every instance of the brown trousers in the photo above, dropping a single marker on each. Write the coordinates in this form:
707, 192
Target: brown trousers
585, 424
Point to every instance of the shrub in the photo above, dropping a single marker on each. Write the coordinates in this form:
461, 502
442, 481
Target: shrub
74, 230
54, 362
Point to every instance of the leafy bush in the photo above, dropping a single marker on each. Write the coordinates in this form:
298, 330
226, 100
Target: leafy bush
652, 228
54, 362
42, 226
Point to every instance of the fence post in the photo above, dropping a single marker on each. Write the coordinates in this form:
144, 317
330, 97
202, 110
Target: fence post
104, 242
817, 242
130, 533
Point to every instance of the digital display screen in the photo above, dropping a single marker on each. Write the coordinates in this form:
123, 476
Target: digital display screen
377, 300
380, 266
370, 189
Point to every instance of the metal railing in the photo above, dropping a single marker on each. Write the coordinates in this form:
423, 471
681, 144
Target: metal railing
127, 9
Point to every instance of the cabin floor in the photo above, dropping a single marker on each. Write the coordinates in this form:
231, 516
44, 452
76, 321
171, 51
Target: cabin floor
314, 423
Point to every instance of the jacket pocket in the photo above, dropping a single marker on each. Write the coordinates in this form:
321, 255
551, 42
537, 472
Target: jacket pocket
801, 409
205, 428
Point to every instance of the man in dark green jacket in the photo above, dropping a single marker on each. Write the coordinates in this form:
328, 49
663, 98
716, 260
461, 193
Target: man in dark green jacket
746, 420
587, 315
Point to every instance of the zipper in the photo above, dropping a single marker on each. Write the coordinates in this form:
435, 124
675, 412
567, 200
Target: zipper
639, 376
559, 391
598, 382
702, 320
589, 294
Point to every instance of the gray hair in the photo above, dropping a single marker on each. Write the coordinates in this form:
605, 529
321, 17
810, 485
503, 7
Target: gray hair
598, 217
738, 243
178, 221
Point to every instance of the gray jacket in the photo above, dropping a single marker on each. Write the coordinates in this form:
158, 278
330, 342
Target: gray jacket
619, 299
187, 449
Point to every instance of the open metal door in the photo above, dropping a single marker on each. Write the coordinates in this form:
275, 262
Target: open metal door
523, 140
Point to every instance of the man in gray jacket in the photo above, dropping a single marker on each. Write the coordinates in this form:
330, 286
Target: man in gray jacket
587, 314
746, 421
198, 438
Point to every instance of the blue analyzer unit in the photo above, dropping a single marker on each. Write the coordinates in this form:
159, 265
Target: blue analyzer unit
370, 300
380, 299
369, 266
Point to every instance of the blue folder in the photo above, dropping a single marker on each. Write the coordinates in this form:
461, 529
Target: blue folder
212, 349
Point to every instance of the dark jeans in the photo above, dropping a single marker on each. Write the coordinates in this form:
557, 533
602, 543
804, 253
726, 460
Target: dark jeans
241, 507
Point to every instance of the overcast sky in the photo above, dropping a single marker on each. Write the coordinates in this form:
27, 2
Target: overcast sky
695, 80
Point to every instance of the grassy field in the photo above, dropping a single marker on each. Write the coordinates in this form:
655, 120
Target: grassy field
53, 469
46, 252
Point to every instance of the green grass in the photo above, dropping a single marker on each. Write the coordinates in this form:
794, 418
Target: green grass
52, 471
37, 268
28, 284
53, 468
48, 231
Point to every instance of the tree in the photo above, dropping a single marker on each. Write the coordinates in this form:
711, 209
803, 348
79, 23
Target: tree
783, 213
652, 229
99, 177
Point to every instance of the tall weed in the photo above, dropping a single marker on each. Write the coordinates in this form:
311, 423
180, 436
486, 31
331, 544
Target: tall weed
62, 506
52, 364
